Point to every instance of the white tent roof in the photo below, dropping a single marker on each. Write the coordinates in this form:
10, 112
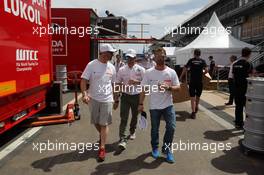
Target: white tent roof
215, 36
170, 51
214, 41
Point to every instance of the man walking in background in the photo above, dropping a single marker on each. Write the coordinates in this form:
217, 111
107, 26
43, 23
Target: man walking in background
197, 68
100, 75
118, 63
211, 66
233, 59
161, 81
241, 70
129, 77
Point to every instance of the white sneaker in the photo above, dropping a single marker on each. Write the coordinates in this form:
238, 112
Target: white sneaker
122, 144
132, 136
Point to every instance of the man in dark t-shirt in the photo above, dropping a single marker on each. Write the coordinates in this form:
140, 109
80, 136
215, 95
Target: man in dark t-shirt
241, 70
212, 66
197, 67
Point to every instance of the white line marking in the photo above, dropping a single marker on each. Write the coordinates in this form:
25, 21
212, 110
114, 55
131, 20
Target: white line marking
10, 148
219, 120
18, 142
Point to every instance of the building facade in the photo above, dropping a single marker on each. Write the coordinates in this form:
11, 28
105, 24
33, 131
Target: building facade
244, 17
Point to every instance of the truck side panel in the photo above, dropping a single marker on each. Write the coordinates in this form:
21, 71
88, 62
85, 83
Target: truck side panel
25, 69
73, 49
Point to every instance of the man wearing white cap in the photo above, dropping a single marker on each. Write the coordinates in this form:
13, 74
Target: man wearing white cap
129, 78
100, 74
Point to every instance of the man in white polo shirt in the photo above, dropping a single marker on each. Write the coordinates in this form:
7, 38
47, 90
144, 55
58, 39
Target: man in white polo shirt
161, 81
100, 74
129, 78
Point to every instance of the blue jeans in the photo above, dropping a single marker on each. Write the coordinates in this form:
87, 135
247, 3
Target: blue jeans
170, 119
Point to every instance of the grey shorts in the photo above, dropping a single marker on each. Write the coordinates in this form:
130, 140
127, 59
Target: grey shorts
101, 112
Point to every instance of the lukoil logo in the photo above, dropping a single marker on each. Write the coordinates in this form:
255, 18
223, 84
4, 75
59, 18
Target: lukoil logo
26, 11
26, 55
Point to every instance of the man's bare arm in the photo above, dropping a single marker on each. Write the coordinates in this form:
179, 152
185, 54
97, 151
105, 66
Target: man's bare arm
141, 101
142, 97
175, 88
83, 85
116, 91
206, 70
184, 71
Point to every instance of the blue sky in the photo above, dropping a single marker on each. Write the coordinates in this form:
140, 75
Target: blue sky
159, 14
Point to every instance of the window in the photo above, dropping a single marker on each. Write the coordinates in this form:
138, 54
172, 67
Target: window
255, 26
239, 29
247, 29
240, 3
261, 25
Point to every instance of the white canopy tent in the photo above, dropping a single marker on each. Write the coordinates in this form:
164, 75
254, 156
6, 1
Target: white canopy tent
171, 55
216, 41
171, 51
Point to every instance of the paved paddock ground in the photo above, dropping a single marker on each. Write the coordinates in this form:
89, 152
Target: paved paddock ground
136, 159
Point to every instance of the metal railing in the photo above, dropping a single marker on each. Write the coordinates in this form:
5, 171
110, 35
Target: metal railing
259, 58
221, 73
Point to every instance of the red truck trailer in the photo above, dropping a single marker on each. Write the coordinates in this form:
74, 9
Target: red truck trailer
71, 42
26, 64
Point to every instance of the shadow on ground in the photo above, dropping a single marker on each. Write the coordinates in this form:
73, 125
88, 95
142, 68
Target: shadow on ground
222, 135
127, 166
48, 163
182, 116
235, 162
222, 107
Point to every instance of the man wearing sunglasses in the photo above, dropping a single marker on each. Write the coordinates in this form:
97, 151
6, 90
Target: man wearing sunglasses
100, 74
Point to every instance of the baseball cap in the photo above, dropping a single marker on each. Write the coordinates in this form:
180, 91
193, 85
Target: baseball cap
107, 48
131, 53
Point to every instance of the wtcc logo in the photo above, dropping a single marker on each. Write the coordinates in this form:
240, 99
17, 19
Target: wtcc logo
26, 55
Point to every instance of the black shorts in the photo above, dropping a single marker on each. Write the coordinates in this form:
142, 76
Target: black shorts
195, 89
